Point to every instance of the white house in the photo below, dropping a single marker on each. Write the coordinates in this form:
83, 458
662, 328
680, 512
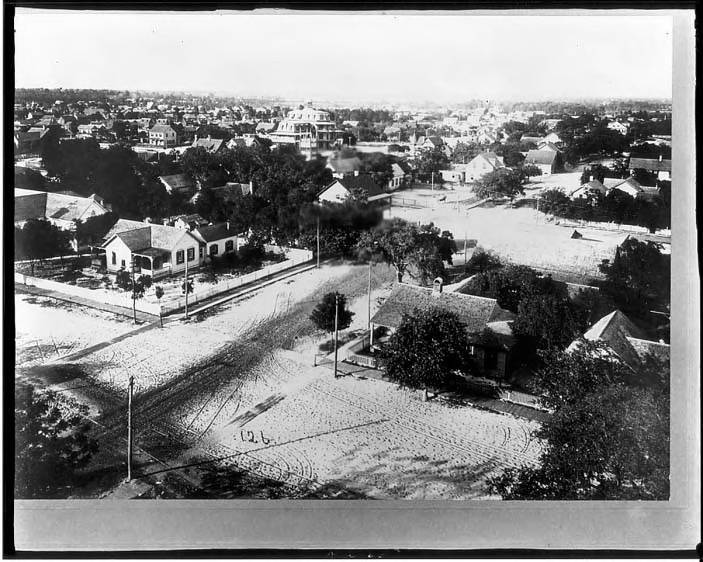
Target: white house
342, 188
218, 239
547, 161
482, 164
162, 135
155, 249
621, 128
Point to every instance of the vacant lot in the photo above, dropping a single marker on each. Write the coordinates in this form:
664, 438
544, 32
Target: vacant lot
46, 329
237, 388
523, 236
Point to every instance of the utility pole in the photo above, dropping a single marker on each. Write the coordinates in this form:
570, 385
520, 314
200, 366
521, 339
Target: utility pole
336, 332
185, 286
129, 429
134, 296
318, 241
432, 181
466, 243
369, 308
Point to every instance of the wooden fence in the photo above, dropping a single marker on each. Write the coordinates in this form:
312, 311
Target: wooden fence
109, 296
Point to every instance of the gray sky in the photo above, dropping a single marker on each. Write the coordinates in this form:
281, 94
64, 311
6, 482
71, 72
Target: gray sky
360, 57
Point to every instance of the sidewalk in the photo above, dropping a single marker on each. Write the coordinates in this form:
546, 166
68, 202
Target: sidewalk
122, 311
492, 404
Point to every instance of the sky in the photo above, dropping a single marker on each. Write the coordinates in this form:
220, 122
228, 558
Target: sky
391, 57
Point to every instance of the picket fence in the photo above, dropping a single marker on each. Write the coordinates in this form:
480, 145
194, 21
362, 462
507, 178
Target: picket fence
101, 296
107, 296
295, 257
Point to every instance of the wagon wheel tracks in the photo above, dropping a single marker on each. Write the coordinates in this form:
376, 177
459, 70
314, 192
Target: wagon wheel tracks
423, 428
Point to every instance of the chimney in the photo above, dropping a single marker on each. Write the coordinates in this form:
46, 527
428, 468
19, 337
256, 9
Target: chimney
165, 221
437, 286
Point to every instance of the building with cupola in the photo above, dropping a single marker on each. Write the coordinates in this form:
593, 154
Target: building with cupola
311, 130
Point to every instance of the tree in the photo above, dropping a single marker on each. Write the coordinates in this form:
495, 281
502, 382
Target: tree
432, 161
548, 321
92, 230
502, 182
530, 170
323, 314
512, 284
554, 201
39, 239
482, 261
567, 376
612, 444
403, 245
464, 152
425, 350
159, 292
638, 279
51, 444
596, 172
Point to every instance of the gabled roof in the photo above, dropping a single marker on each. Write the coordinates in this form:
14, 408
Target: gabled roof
630, 183
615, 329
176, 182
475, 312
215, 232
546, 145
435, 140
490, 157
210, 144
161, 128
651, 164
31, 204
344, 165
535, 140
140, 236
137, 239
362, 181
544, 157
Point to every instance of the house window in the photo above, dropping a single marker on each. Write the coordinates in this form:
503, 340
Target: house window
229, 245
200, 252
180, 255
491, 359
114, 258
214, 250
122, 264
191, 254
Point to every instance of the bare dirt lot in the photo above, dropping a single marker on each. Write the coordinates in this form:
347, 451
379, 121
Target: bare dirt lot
522, 236
236, 388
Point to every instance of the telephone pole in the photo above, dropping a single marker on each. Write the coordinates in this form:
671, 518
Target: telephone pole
369, 290
134, 296
185, 286
129, 429
318, 241
336, 332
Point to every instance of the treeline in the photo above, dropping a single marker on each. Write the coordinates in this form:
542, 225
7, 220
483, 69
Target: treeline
47, 96
617, 206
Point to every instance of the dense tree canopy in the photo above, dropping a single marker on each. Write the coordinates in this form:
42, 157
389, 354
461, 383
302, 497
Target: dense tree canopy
51, 444
419, 251
608, 437
426, 348
639, 277
503, 182
323, 314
